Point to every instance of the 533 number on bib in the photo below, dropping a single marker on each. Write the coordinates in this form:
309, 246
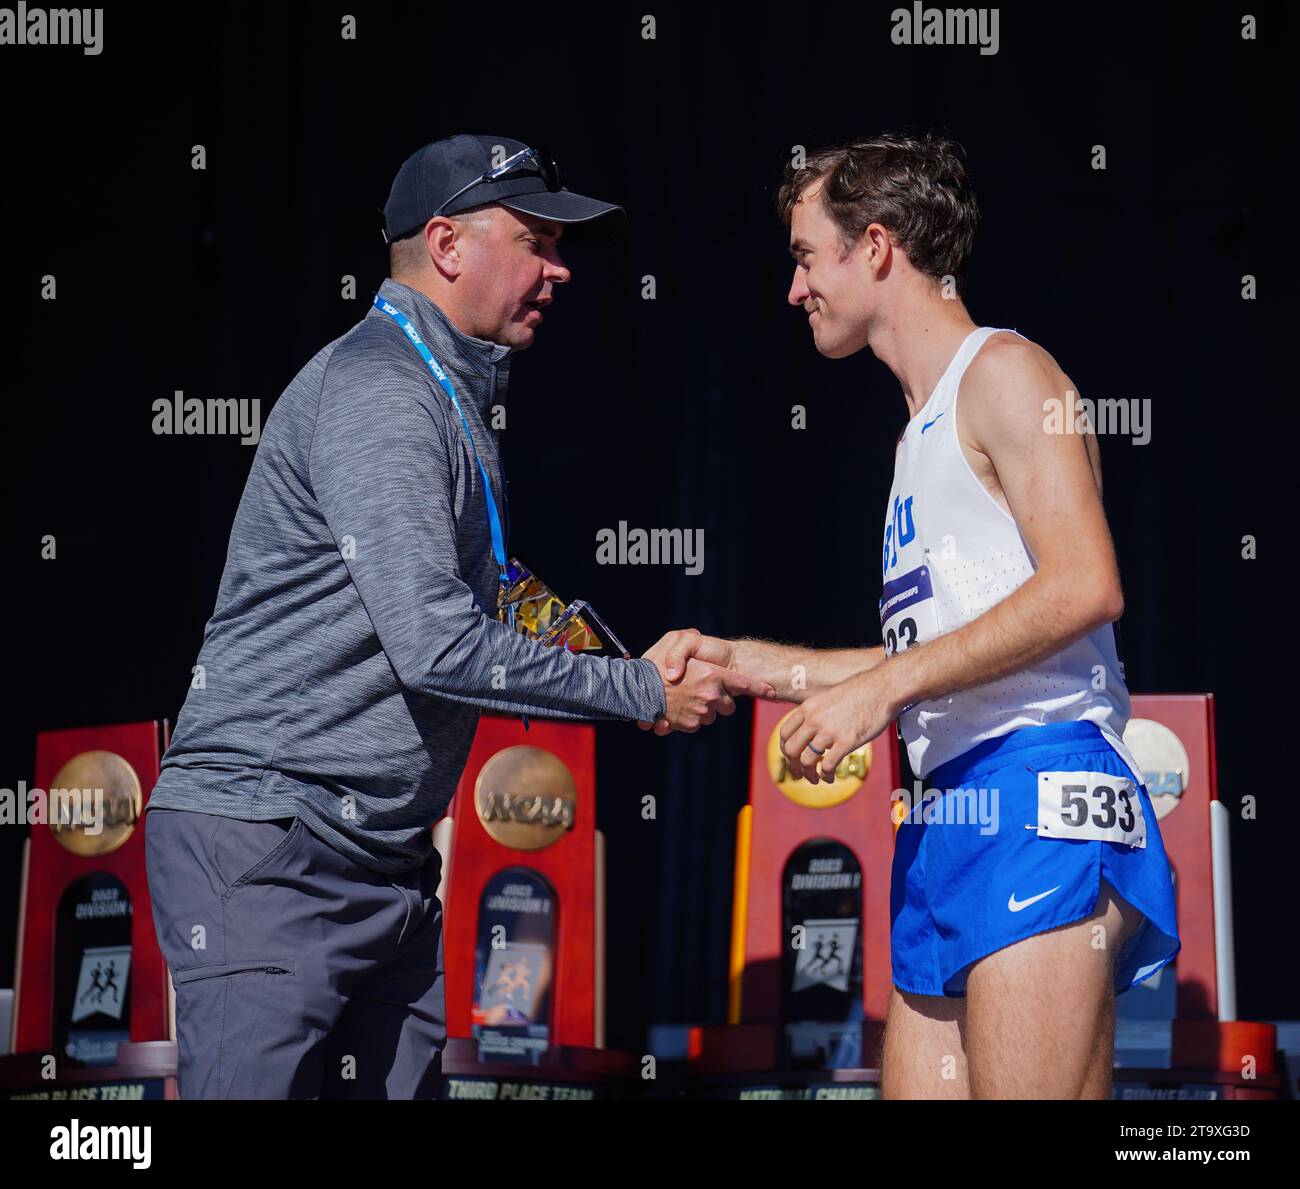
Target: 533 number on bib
1095, 805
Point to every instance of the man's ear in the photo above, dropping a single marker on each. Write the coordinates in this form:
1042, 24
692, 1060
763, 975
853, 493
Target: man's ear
442, 241
878, 246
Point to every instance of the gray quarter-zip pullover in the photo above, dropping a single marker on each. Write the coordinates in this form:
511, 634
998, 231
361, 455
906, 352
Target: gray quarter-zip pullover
355, 638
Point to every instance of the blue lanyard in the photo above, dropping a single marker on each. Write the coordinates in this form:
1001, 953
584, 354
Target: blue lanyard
494, 521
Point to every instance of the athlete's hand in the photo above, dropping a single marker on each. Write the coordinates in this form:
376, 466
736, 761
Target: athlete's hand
837, 721
676, 648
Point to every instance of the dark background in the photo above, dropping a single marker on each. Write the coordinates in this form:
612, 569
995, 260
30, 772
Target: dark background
677, 411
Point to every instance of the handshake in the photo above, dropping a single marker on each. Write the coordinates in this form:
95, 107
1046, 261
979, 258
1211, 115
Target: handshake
699, 681
845, 696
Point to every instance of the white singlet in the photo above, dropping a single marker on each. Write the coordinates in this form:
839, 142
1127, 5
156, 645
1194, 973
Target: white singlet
951, 553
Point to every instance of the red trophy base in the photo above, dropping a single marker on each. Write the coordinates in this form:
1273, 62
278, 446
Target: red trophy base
144, 1070
562, 1072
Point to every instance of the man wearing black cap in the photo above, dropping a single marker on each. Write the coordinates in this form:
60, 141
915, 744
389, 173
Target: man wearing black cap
354, 642
436, 218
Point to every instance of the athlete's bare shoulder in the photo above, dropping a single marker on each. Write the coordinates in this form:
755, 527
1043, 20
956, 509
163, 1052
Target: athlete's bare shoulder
1009, 367
1009, 392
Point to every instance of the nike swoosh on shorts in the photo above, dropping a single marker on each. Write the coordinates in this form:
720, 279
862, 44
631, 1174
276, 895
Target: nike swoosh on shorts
1014, 905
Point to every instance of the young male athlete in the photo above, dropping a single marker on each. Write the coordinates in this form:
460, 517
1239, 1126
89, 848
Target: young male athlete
1008, 942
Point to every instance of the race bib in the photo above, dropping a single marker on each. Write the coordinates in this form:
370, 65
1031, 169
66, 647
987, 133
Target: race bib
907, 611
1092, 805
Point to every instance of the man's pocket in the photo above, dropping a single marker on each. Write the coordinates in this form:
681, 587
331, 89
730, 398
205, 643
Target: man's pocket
190, 974
196, 862
241, 850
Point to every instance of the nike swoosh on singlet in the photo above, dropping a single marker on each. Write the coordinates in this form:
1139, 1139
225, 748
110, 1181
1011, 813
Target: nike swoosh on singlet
929, 423
1014, 905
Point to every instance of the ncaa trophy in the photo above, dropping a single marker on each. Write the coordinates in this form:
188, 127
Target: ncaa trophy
809, 975
525, 920
1177, 1035
91, 1017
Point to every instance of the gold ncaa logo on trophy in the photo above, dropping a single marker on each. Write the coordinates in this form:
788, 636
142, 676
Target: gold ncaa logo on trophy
526, 798
850, 774
95, 802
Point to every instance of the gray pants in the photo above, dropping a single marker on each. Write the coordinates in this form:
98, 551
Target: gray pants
298, 973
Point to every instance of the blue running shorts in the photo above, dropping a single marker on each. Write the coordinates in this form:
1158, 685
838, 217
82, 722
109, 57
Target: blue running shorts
991, 853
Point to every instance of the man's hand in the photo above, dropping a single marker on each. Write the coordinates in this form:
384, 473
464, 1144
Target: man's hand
702, 694
836, 722
698, 681
794, 671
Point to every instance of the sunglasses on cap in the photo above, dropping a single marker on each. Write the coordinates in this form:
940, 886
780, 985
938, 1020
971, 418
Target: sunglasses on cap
525, 161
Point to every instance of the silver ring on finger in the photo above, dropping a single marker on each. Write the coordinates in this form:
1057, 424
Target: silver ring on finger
817, 751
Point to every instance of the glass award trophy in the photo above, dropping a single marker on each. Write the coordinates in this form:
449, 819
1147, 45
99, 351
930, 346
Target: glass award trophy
534, 610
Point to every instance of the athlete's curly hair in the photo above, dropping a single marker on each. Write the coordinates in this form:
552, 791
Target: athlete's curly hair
917, 189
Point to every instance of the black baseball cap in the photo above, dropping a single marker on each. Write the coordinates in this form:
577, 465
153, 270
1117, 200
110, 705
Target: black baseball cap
433, 175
